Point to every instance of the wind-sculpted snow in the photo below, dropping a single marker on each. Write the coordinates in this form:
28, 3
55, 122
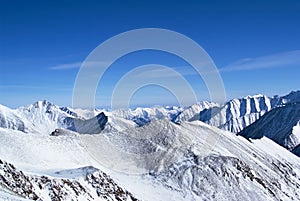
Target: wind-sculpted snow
280, 124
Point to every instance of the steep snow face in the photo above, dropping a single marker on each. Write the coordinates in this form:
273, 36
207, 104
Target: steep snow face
280, 124
237, 114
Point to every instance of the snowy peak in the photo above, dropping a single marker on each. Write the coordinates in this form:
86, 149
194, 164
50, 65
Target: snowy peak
237, 114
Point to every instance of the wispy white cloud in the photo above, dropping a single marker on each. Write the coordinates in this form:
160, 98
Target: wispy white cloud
66, 66
74, 65
286, 59
165, 72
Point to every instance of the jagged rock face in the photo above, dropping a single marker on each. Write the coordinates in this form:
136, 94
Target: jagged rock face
90, 187
16, 181
107, 189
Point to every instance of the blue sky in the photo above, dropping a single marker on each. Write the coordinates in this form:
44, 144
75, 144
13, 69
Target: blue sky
254, 44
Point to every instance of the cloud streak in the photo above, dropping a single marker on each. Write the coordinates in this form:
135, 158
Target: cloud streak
165, 72
66, 66
74, 65
286, 59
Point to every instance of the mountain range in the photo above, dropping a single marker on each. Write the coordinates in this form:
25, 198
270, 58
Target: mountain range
245, 149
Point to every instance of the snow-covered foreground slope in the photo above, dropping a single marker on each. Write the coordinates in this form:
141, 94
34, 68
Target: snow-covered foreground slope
209, 164
190, 161
280, 124
237, 114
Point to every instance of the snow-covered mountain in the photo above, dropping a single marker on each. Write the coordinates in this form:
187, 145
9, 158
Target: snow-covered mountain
43, 115
280, 124
52, 152
187, 161
237, 114
142, 116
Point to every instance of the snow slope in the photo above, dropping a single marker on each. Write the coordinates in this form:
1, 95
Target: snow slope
205, 163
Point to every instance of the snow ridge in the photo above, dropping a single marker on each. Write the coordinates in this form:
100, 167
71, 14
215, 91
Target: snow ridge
237, 114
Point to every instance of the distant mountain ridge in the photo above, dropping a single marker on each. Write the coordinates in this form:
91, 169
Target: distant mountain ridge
234, 116
237, 114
